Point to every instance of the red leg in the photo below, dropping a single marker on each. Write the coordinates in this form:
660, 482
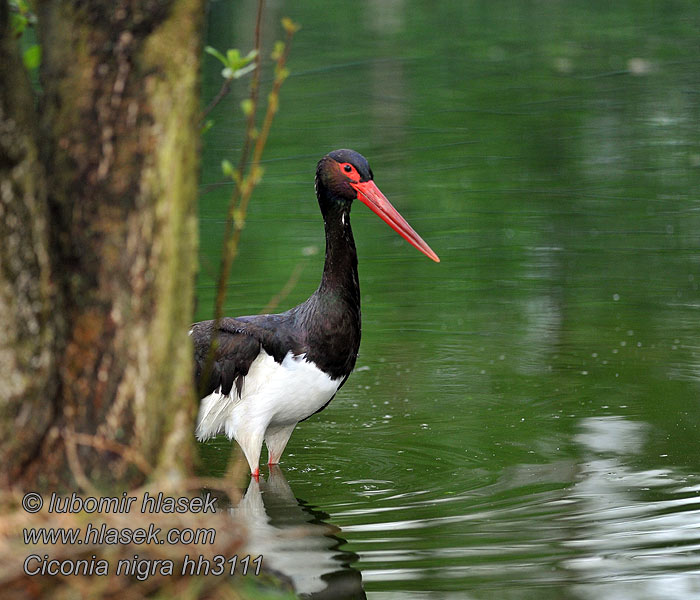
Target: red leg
276, 440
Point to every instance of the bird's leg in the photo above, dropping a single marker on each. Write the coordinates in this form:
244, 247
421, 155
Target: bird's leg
276, 439
251, 444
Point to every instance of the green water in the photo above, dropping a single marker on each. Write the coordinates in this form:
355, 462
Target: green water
523, 419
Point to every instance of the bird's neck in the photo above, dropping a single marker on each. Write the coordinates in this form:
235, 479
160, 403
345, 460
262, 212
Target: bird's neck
331, 316
340, 281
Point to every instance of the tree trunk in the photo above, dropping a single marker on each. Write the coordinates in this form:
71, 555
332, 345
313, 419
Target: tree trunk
27, 324
105, 384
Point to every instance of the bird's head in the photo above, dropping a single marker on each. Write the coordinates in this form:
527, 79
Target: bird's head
345, 175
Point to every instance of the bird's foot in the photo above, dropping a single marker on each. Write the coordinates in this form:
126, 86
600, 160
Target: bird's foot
256, 474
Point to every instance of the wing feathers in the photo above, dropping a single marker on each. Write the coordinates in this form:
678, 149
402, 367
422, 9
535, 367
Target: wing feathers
237, 349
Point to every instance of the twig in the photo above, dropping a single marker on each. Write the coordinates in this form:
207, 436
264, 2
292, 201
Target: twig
245, 185
254, 92
225, 89
249, 130
102, 443
74, 463
238, 212
210, 187
286, 289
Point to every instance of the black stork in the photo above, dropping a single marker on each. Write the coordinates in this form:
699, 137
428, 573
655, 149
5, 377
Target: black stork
272, 371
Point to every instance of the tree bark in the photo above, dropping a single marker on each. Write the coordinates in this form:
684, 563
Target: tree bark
28, 326
118, 142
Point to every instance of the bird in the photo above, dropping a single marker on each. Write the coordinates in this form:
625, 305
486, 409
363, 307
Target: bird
269, 372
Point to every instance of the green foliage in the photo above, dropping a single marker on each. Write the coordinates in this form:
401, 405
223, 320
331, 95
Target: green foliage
247, 106
21, 18
248, 173
32, 57
235, 65
277, 50
227, 168
290, 27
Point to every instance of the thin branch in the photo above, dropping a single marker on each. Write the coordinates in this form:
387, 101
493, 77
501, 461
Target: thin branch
127, 453
222, 93
236, 198
226, 87
249, 131
74, 463
245, 184
286, 289
254, 92
238, 213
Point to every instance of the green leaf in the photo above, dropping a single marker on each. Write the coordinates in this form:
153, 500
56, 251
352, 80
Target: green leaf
273, 102
281, 74
277, 50
18, 23
227, 168
208, 124
247, 107
233, 58
32, 57
290, 26
235, 66
215, 53
250, 56
240, 72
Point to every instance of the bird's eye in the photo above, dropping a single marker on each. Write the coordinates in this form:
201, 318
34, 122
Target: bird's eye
350, 171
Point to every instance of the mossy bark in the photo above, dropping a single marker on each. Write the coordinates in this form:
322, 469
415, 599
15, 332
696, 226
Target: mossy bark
118, 141
27, 321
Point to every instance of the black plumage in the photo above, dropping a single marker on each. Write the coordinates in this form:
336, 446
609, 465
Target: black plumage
323, 331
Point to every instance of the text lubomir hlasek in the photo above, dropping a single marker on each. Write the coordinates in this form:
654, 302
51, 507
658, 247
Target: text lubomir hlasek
159, 503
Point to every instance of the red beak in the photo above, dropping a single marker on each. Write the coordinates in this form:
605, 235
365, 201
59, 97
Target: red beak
369, 193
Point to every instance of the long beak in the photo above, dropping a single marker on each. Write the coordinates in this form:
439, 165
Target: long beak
369, 193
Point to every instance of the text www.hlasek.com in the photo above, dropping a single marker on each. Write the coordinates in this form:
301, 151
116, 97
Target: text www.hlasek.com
110, 535
100, 534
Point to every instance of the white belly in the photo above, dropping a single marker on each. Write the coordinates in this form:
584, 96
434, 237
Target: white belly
273, 394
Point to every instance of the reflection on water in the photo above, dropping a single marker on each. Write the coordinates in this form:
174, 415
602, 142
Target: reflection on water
524, 419
597, 527
296, 543
637, 531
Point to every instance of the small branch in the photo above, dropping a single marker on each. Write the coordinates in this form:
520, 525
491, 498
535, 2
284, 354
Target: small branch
245, 184
223, 92
103, 444
238, 212
74, 463
215, 185
223, 269
226, 85
254, 91
286, 289
236, 199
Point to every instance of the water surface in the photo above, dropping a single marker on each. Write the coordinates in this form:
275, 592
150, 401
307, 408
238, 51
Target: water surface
523, 419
